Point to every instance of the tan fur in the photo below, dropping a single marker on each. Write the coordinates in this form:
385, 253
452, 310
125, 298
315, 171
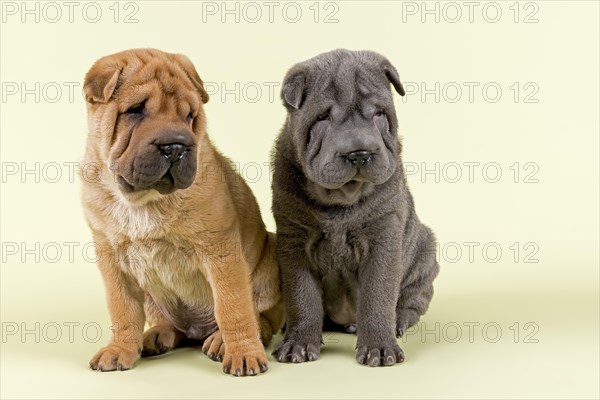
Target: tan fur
203, 250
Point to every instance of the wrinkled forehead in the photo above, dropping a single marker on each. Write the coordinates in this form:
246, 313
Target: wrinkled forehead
350, 84
156, 79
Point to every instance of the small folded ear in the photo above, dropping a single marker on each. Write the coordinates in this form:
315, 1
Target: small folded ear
190, 71
293, 87
100, 81
394, 78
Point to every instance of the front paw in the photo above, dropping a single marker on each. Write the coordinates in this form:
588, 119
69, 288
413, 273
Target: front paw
113, 357
296, 352
245, 358
375, 356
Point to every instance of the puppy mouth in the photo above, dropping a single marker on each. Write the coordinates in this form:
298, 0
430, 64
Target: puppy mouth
351, 184
165, 185
360, 178
124, 185
348, 188
344, 194
351, 187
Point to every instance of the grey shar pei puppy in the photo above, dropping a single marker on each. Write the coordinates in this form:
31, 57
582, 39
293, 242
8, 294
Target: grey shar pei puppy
352, 251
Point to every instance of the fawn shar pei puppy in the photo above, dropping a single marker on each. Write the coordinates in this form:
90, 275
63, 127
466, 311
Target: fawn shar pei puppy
181, 243
352, 252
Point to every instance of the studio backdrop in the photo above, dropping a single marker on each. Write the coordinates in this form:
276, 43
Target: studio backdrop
499, 130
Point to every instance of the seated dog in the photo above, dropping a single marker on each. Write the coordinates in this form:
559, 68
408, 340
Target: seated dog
179, 235
351, 249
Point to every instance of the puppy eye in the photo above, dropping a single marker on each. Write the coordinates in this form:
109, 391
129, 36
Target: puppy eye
323, 117
136, 109
379, 113
190, 116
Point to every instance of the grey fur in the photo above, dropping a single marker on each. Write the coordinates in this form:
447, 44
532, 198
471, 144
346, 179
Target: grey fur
352, 252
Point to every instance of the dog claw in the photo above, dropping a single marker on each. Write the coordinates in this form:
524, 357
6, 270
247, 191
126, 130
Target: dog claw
291, 351
379, 356
113, 358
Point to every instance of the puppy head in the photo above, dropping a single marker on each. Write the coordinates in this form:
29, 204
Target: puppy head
343, 123
146, 117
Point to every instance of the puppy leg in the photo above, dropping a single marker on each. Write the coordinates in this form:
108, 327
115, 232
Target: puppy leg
376, 326
162, 335
234, 311
304, 306
414, 301
417, 285
125, 306
266, 292
271, 322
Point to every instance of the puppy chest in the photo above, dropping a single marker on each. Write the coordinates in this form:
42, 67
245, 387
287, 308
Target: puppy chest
340, 251
166, 270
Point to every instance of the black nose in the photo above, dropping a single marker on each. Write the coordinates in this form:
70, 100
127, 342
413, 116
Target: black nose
173, 151
359, 157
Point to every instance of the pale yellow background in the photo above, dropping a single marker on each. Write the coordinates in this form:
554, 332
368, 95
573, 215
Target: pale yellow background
558, 295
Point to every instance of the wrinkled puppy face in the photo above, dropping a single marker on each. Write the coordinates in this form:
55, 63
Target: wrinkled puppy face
146, 107
343, 123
